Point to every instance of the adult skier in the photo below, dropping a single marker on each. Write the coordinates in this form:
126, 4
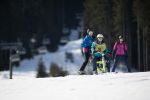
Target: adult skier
86, 49
120, 53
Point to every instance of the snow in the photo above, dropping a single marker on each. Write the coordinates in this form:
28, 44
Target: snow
109, 86
121, 86
28, 67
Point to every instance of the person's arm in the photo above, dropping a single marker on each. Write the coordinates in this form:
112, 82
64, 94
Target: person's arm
115, 46
126, 49
84, 45
93, 48
114, 50
94, 52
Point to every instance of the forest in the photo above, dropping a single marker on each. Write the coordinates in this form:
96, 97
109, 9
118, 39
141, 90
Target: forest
22, 20
130, 18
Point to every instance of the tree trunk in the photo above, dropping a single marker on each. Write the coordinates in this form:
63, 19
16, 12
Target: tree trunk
128, 27
147, 68
138, 41
144, 50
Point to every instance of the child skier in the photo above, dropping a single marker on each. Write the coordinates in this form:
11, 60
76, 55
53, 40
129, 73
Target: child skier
98, 50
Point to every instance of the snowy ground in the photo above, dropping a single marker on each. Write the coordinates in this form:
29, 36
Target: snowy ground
109, 86
121, 86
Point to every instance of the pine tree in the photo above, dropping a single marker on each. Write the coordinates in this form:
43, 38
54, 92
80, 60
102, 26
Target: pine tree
41, 71
56, 71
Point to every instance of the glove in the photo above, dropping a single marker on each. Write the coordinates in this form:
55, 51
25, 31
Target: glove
110, 56
98, 55
85, 50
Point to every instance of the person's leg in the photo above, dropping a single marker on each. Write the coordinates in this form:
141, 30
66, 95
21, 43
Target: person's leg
115, 64
107, 63
95, 59
94, 64
108, 66
87, 55
127, 64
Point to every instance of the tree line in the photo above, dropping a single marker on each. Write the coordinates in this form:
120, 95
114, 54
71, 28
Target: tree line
130, 18
24, 19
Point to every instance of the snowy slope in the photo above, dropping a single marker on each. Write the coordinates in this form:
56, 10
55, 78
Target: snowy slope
109, 86
28, 67
121, 86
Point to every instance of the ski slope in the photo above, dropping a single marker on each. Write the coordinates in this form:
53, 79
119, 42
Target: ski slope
109, 86
121, 86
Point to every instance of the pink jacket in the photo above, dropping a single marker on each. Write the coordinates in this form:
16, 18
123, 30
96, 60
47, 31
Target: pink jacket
120, 48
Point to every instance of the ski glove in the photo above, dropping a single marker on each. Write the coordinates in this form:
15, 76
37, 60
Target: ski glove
98, 55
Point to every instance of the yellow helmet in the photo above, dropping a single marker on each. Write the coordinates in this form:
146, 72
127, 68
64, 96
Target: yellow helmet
100, 36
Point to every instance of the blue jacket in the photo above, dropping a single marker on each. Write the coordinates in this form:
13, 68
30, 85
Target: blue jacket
87, 42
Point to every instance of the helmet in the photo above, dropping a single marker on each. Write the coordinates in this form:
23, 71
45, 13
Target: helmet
90, 32
100, 36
